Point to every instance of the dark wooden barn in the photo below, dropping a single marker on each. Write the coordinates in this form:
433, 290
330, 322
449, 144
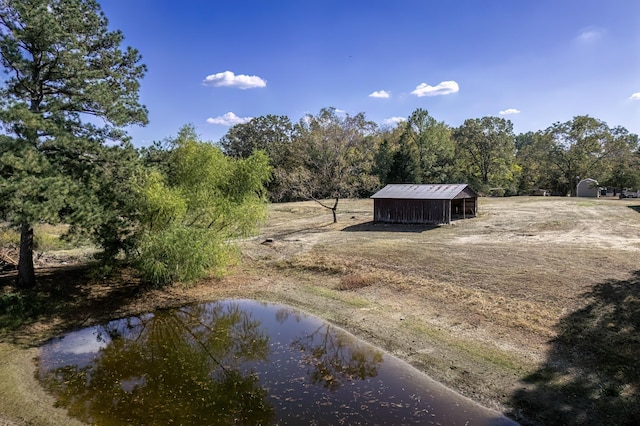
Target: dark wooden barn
424, 204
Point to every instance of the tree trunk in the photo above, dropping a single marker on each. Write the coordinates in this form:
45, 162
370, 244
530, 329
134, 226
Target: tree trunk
26, 273
333, 210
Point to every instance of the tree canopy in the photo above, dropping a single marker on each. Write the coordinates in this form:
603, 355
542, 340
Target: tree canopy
332, 157
69, 90
487, 148
272, 134
587, 147
425, 153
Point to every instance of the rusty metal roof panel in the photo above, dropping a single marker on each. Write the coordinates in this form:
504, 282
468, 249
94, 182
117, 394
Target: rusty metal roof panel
420, 192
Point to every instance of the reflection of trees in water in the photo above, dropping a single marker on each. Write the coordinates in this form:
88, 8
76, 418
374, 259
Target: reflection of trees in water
592, 374
335, 358
283, 314
176, 365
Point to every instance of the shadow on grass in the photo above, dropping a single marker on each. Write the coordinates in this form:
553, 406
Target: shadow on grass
592, 373
64, 299
635, 208
388, 227
308, 230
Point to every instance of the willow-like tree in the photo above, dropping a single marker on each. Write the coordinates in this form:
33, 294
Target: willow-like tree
69, 91
190, 214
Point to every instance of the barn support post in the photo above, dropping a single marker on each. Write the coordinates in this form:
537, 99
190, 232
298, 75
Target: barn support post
447, 211
464, 208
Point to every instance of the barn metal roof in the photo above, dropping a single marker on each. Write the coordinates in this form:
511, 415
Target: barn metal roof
421, 192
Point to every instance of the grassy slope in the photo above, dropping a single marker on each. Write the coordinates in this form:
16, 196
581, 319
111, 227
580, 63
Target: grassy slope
21, 398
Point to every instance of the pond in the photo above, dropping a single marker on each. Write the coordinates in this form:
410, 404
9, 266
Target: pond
241, 362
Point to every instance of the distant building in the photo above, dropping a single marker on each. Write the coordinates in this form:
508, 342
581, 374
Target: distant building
541, 192
588, 188
424, 204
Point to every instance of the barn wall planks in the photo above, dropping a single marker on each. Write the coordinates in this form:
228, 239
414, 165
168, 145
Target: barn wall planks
412, 211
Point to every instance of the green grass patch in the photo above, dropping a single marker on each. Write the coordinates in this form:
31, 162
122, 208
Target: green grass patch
349, 299
51, 242
485, 354
45, 238
24, 401
9, 237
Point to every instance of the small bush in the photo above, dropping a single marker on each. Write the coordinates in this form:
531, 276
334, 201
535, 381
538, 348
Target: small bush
11, 304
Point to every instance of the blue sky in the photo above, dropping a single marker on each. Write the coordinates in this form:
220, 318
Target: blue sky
216, 63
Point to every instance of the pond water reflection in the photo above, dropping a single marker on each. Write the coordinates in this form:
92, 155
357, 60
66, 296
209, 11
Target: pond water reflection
240, 362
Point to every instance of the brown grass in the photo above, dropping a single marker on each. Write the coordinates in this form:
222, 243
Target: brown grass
500, 307
497, 288
355, 282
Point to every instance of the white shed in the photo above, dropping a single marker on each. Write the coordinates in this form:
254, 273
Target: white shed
588, 188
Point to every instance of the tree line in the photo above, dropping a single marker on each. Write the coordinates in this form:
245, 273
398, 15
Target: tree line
172, 209
334, 155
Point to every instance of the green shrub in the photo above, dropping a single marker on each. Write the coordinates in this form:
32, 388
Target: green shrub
11, 304
9, 237
181, 253
189, 216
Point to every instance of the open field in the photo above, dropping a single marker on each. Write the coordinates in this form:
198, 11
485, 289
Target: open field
532, 308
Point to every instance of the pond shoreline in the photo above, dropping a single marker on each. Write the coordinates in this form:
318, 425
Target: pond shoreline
293, 367
27, 403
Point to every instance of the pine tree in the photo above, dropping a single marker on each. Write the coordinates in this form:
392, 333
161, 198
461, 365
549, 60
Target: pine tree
64, 68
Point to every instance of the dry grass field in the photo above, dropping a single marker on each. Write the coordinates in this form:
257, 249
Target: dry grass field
532, 308
517, 308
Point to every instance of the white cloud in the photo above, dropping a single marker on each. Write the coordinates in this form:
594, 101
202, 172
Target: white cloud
509, 111
229, 119
635, 96
394, 120
444, 88
589, 35
229, 79
82, 342
380, 94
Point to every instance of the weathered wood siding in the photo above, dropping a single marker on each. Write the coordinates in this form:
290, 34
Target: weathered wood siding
432, 212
